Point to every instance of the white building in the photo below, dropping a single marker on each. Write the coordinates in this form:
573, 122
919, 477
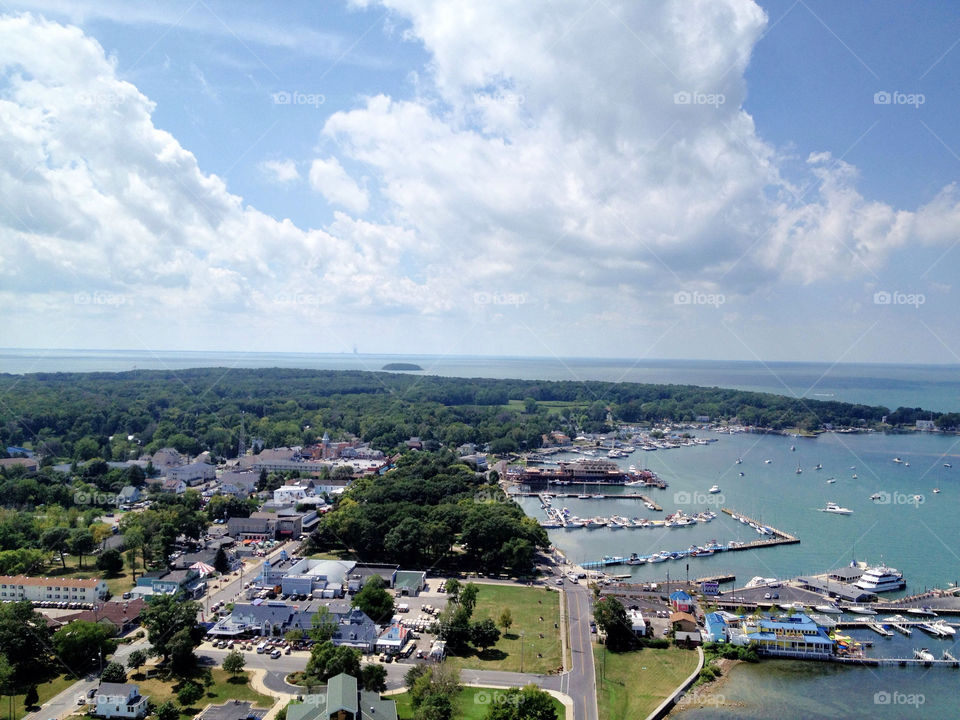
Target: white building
637, 622
21, 587
289, 493
120, 700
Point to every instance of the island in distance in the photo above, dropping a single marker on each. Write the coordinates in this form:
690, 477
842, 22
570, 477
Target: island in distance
401, 366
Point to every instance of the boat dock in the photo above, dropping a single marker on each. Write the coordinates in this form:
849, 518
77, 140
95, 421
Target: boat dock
595, 496
902, 662
879, 629
780, 537
721, 579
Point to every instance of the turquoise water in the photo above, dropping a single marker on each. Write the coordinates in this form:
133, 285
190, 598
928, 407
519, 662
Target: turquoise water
935, 387
918, 538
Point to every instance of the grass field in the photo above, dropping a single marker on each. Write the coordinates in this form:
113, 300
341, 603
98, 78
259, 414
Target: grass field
46, 691
634, 683
225, 687
527, 605
471, 704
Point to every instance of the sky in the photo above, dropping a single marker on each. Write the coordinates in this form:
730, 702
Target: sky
714, 179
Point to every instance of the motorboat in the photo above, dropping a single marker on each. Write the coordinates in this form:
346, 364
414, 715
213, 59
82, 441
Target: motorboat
897, 460
881, 579
924, 655
924, 612
876, 496
714, 489
944, 629
767, 462
829, 609
832, 507
860, 610
831, 481
936, 490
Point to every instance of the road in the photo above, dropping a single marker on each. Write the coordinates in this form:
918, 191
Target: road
581, 682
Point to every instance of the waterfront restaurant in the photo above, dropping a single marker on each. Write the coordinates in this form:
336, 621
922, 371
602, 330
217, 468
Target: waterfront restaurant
795, 636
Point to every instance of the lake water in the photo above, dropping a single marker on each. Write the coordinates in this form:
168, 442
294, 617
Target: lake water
934, 387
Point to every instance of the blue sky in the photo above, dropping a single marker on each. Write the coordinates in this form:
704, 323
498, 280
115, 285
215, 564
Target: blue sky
671, 179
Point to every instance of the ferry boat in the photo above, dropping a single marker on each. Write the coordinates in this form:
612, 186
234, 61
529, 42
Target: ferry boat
881, 579
832, 507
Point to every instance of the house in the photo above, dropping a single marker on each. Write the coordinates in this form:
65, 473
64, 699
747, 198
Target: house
343, 700
926, 425
29, 464
289, 493
194, 473
355, 629
163, 582
245, 482
122, 616
127, 495
716, 627
687, 639
796, 636
173, 486
120, 700
21, 587
410, 582
414, 443
683, 622
259, 526
166, 458
681, 601
393, 639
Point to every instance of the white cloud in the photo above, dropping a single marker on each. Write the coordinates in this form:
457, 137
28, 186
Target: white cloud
329, 179
280, 171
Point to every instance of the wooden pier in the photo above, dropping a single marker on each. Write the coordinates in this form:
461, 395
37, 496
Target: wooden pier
780, 537
727, 578
597, 496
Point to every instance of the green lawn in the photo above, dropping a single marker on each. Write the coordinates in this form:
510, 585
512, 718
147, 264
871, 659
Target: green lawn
46, 691
471, 704
527, 605
635, 683
225, 687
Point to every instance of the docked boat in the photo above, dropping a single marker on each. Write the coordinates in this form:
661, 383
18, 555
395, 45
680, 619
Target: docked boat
881, 579
714, 489
860, 610
635, 559
594, 523
924, 655
829, 609
650, 505
924, 612
832, 507
944, 629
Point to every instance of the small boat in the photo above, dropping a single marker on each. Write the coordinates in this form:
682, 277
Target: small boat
714, 489
854, 476
767, 462
739, 461
829, 609
897, 460
832, 507
936, 490
793, 448
924, 655
947, 465
799, 470
924, 611
831, 481
740, 474
876, 496
944, 629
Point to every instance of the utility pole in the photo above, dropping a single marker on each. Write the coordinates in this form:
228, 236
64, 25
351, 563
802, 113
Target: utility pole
522, 634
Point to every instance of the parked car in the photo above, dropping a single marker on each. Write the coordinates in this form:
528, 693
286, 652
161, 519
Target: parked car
275, 654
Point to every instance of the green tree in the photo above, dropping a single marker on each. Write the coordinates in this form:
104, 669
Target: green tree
454, 626
81, 543
166, 618
32, 697
220, 563
189, 693
57, 539
484, 633
234, 662
611, 618
182, 658
167, 710
136, 659
131, 555
468, 597
114, 673
453, 587
80, 642
110, 562
326, 660
528, 703
323, 625
25, 640
373, 677
506, 620
374, 599
6, 677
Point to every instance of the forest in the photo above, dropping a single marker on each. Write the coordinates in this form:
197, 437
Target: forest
116, 416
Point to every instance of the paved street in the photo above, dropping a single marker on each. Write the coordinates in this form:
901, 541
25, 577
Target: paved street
581, 680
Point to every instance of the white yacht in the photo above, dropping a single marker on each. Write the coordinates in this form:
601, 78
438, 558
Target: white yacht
945, 630
881, 579
832, 507
829, 609
714, 489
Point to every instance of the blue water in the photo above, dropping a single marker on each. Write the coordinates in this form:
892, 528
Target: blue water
934, 387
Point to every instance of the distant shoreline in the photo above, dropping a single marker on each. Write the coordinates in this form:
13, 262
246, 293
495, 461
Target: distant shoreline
412, 367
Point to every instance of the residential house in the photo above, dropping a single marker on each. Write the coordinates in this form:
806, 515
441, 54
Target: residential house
164, 582
343, 700
121, 616
683, 622
120, 700
128, 495
173, 486
166, 458
29, 464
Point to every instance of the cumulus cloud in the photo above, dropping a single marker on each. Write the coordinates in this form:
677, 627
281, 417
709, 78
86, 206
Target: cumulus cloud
280, 171
328, 178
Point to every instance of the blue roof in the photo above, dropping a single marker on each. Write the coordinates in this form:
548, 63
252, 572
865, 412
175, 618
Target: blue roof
680, 595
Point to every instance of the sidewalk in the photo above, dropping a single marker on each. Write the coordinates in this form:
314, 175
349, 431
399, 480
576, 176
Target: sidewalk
256, 682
